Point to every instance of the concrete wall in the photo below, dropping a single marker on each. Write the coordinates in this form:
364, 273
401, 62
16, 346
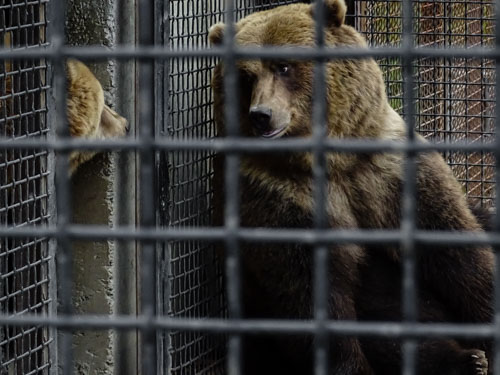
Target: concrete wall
103, 192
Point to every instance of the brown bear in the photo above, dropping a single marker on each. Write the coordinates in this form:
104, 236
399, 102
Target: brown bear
379, 300
363, 191
88, 115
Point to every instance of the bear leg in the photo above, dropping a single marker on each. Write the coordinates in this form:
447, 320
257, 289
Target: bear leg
449, 358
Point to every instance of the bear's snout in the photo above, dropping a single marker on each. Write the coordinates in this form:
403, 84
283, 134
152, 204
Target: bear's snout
260, 116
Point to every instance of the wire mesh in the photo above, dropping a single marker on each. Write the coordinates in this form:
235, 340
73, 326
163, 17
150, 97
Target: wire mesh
454, 101
194, 285
454, 96
24, 263
192, 281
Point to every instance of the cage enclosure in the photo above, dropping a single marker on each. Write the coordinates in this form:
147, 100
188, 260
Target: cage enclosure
26, 264
454, 101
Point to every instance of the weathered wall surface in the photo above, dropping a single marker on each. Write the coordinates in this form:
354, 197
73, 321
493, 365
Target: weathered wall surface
97, 268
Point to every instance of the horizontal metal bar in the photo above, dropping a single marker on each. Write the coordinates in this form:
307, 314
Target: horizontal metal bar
380, 329
302, 236
242, 145
295, 53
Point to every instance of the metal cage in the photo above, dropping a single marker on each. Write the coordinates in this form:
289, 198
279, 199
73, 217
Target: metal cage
192, 284
189, 318
454, 101
25, 264
455, 98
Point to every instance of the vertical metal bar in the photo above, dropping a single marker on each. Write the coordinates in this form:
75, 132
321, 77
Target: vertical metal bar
52, 211
161, 90
231, 181
63, 201
408, 222
147, 178
496, 223
125, 202
320, 202
164, 260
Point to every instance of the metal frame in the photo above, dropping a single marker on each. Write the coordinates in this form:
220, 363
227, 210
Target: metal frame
28, 272
148, 322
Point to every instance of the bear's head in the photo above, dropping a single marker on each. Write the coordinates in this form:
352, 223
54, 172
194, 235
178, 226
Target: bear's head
276, 95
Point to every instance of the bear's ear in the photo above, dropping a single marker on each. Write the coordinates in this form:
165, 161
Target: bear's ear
335, 11
216, 33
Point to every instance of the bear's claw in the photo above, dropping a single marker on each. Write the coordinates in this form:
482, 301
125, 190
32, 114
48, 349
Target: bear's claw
475, 362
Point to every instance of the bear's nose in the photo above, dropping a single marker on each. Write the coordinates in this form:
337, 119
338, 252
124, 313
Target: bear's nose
261, 117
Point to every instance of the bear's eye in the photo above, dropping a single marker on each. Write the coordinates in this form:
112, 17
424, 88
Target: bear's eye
283, 69
246, 78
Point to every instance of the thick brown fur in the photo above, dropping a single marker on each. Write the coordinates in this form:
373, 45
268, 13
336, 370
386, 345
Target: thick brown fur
364, 191
484, 216
380, 300
88, 115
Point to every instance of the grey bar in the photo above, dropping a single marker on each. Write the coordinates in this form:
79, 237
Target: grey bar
231, 182
125, 200
297, 53
496, 221
321, 256
63, 206
261, 326
246, 145
52, 210
146, 188
408, 225
302, 236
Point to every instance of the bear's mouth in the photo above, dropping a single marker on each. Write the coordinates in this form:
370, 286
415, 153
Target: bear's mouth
274, 133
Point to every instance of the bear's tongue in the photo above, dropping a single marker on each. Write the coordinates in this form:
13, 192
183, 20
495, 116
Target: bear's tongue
272, 133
